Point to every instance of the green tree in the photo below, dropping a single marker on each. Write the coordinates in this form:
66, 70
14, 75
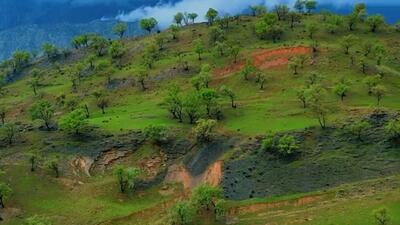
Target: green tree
141, 77
294, 18
363, 64
50, 50
310, 5
120, 29
156, 133
379, 51
99, 44
320, 111
116, 49
174, 102
374, 22
192, 106
281, 11
211, 15
347, 42
42, 110
234, 51
258, 10
358, 128
9, 131
181, 213
5, 192
381, 216
148, 24
174, 31
34, 84
199, 48
19, 60
127, 177
248, 69
80, 41
371, 82
204, 130
294, 65
74, 122
205, 196
178, 18
312, 28
192, 16
209, 98
379, 91
230, 94
216, 34
341, 89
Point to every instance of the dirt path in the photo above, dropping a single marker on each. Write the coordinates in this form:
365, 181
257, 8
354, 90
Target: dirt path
265, 59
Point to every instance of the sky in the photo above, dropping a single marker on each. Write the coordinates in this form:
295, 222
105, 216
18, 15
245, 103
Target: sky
163, 12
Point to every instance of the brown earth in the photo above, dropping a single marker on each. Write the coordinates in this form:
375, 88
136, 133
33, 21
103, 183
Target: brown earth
265, 59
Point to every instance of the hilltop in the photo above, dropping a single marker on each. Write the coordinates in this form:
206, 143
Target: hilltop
281, 116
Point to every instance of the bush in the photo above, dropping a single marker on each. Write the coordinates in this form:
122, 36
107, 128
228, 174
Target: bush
285, 145
204, 196
204, 130
156, 133
392, 129
181, 213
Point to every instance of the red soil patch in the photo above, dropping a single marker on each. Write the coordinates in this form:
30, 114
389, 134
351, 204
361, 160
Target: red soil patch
266, 59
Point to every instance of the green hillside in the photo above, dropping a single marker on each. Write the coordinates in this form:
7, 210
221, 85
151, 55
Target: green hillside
283, 117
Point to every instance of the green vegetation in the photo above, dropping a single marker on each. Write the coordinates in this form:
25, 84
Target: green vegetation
122, 121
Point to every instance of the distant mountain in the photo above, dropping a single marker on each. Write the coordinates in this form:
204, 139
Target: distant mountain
31, 37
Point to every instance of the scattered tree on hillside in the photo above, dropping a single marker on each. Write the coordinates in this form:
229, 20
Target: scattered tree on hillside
371, 82
358, 128
310, 6
374, 22
90, 60
102, 101
34, 84
178, 18
230, 94
312, 28
150, 54
294, 65
127, 177
341, 89
116, 49
74, 121
367, 47
19, 60
204, 130
284, 146
192, 17
120, 29
9, 131
192, 106
209, 98
80, 41
381, 216
199, 48
205, 196
216, 34
379, 52
174, 31
211, 15
148, 24
379, 91
99, 44
363, 64
5, 192
234, 51
248, 69
294, 18
141, 76
42, 110
174, 102
260, 79
347, 42
181, 213
160, 41
203, 79
50, 50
